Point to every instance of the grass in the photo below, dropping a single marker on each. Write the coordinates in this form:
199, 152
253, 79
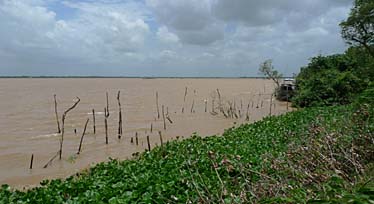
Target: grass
315, 155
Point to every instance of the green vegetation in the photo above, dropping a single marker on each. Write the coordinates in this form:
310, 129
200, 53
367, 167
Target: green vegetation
322, 154
339, 79
329, 80
316, 154
358, 29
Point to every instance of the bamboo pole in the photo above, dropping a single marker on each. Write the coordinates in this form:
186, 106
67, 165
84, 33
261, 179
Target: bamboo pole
63, 125
120, 116
206, 105
84, 132
151, 127
56, 114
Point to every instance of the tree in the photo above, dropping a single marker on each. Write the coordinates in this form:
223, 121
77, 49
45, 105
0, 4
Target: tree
267, 69
358, 29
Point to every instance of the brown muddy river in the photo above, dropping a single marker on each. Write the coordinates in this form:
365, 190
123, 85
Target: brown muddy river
28, 125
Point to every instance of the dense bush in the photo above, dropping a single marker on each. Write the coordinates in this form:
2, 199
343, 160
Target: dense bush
328, 80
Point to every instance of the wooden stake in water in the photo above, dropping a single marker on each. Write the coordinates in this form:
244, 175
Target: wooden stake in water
163, 117
184, 99
63, 125
58, 121
206, 105
106, 114
192, 106
161, 140
84, 132
151, 127
136, 139
51, 160
247, 114
219, 101
158, 110
107, 104
32, 160
213, 105
119, 115
94, 121
149, 144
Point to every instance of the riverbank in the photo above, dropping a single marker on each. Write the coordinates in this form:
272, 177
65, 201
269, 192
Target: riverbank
311, 154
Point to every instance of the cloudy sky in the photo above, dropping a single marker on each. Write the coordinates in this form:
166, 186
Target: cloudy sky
166, 37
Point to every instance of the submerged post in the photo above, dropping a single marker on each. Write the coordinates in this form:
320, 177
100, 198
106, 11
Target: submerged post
94, 121
120, 116
32, 160
107, 103
84, 132
106, 125
136, 139
157, 106
58, 122
163, 117
184, 99
149, 145
63, 125
161, 140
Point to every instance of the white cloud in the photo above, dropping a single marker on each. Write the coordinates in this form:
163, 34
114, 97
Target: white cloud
214, 37
191, 20
164, 35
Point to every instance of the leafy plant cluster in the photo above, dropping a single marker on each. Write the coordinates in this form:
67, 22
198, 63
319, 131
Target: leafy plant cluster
338, 79
331, 80
294, 158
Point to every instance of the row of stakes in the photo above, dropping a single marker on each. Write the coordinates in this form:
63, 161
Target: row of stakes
228, 112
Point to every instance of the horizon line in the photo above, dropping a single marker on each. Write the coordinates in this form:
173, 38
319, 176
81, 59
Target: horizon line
142, 77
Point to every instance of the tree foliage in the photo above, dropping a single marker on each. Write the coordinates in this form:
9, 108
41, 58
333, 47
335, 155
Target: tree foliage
328, 80
358, 29
267, 69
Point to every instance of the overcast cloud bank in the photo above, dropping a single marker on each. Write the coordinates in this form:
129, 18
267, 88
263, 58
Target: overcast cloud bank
165, 37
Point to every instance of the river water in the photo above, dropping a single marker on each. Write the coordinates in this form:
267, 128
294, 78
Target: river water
28, 124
